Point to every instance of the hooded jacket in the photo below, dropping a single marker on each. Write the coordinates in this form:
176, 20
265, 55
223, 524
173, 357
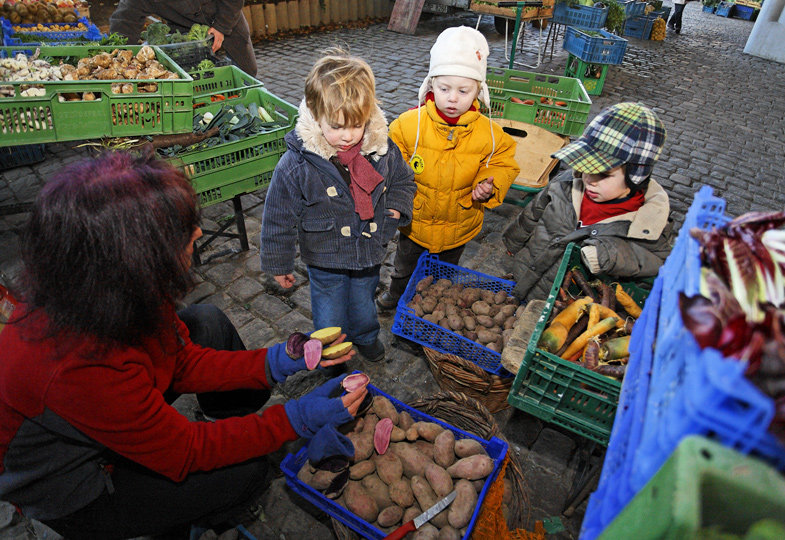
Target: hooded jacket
64, 412
455, 159
630, 245
309, 201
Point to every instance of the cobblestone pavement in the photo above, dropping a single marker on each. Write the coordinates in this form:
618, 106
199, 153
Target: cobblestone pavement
725, 118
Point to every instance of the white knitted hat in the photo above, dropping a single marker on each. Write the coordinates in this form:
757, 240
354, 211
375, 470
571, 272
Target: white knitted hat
461, 52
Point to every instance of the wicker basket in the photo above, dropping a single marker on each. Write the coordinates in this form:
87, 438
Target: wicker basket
458, 375
470, 415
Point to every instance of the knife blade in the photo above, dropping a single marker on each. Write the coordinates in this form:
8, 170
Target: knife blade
423, 518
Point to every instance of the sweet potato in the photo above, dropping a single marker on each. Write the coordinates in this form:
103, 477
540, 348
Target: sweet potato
388, 467
428, 304
362, 469
423, 284
440, 481
401, 492
359, 502
426, 532
397, 434
428, 430
500, 297
405, 420
385, 409
426, 498
381, 435
444, 448
412, 434
487, 296
377, 489
468, 447
363, 445
390, 516
412, 511
486, 321
472, 467
425, 448
469, 322
413, 460
327, 335
448, 533
337, 351
460, 511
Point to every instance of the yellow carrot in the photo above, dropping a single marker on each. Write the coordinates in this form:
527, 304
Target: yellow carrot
553, 337
594, 314
615, 349
627, 302
596, 330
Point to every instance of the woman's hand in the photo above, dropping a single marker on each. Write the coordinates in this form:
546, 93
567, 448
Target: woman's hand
340, 359
218, 38
352, 400
286, 280
483, 191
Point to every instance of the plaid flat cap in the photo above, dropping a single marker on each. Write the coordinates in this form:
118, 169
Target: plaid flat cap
628, 133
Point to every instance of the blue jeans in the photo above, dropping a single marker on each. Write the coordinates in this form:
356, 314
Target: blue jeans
345, 298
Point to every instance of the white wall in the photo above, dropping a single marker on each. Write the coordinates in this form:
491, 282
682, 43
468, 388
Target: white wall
767, 38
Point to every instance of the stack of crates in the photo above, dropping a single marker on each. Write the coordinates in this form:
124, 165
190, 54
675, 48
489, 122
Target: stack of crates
636, 24
591, 52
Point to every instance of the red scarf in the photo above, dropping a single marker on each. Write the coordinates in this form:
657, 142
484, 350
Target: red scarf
364, 179
594, 212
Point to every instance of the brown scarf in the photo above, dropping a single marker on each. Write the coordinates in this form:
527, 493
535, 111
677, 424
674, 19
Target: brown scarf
364, 179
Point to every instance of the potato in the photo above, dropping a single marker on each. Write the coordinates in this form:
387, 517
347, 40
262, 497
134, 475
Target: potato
361, 469
305, 475
485, 320
388, 467
428, 304
481, 307
469, 322
500, 297
486, 336
509, 310
363, 445
440, 481
509, 323
413, 460
487, 296
431, 318
455, 322
423, 283
445, 323
412, 512
472, 467
469, 296
359, 502
401, 492
426, 498
369, 423
322, 479
412, 434
390, 516
444, 283
397, 434
444, 448
468, 447
428, 430
499, 319
425, 448
460, 511
448, 533
377, 489
426, 532
385, 409
405, 420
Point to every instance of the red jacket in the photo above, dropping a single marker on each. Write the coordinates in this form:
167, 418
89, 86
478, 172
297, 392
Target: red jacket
60, 410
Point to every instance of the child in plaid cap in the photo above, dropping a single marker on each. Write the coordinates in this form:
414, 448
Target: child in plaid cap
608, 204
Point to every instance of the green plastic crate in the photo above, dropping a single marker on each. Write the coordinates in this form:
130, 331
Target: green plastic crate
587, 73
220, 172
504, 84
703, 485
562, 392
43, 119
226, 81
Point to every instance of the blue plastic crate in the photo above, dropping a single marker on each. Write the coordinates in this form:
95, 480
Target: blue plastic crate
586, 17
746, 13
52, 37
638, 27
690, 391
411, 327
291, 465
603, 49
633, 8
663, 14
709, 9
724, 9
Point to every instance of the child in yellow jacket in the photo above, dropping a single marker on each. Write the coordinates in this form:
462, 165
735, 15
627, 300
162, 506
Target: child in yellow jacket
463, 162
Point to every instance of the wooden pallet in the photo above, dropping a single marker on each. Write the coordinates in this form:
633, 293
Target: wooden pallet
405, 16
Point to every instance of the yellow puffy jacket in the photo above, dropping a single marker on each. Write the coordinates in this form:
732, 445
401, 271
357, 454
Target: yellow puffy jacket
453, 162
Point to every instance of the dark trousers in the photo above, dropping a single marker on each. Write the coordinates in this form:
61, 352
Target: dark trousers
145, 503
406, 257
675, 20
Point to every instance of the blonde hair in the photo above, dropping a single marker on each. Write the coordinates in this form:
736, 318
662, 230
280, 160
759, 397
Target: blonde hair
341, 84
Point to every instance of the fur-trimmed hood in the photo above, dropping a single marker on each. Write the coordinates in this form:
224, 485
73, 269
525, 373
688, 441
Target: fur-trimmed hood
374, 143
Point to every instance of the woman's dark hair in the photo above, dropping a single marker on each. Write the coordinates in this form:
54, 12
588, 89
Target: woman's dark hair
104, 250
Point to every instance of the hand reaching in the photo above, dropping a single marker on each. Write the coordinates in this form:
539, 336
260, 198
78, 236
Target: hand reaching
316, 409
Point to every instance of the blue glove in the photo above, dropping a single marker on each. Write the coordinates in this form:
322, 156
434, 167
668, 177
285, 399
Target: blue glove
281, 364
316, 409
328, 442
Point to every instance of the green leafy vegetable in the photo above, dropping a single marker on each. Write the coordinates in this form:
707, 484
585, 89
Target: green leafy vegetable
198, 32
156, 34
204, 65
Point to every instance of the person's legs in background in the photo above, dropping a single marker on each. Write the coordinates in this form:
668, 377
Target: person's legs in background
210, 327
675, 20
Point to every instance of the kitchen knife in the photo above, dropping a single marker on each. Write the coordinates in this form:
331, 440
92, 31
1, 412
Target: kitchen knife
418, 522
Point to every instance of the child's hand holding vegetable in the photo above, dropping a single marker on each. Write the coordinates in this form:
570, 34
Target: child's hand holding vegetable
483, 191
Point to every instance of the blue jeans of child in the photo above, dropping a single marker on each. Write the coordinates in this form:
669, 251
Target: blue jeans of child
345, 298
